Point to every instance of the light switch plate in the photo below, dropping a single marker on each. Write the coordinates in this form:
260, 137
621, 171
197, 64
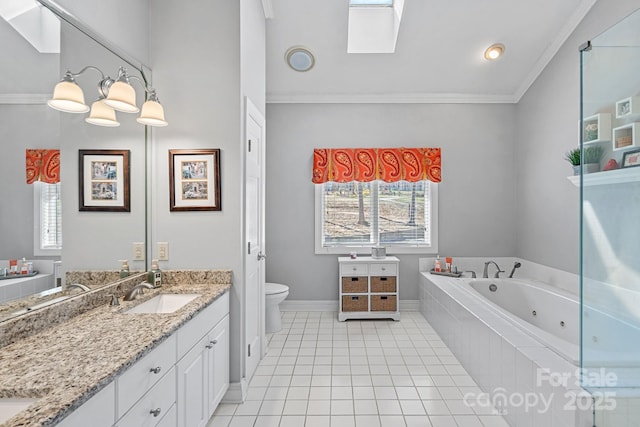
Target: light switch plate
163, 251
138, 251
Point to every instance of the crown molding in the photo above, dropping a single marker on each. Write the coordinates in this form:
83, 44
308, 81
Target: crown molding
24, 98
390, 98
572, 23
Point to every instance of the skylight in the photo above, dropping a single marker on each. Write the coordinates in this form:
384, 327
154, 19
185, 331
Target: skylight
374, 25
386, 3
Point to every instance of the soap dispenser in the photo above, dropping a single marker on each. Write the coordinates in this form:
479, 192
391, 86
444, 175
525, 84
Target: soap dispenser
124, 269
155, 275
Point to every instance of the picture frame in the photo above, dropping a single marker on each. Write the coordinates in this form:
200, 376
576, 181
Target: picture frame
631, 159
104, 180
194, 180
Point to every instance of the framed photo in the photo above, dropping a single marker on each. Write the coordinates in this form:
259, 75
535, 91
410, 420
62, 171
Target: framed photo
631, 159
194, 180
104, 180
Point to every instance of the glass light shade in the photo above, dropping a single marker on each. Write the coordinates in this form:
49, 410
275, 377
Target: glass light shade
122, 97
494, 51
68, 97
152, 114
102, 115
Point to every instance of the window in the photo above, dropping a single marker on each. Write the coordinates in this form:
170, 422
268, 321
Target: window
355, 216
47, 219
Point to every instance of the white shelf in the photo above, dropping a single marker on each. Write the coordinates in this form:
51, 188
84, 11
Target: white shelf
628, 107
616, 176
602, 124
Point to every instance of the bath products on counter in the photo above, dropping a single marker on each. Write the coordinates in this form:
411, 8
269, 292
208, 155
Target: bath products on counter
13, 266
155, 275
437, 265
124, 269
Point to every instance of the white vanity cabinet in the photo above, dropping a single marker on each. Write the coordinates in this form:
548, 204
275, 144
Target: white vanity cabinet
179, 383
99, 411
203, 370
368, 288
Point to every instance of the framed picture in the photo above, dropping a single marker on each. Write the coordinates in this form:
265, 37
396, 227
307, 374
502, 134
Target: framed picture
631, 159
104, 180
194, 180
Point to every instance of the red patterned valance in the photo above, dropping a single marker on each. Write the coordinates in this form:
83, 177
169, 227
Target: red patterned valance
369, 164
43, 165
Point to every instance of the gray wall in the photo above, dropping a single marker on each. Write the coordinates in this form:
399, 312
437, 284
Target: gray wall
547, 126
476, 196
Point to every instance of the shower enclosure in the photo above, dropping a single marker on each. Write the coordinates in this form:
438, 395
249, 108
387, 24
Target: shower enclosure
610, 224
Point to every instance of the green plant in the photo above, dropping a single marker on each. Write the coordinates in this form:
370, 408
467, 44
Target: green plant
573, 156
591, 155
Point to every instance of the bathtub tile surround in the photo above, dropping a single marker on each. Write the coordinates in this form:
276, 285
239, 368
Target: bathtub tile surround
507, 363
372, 373
95, 346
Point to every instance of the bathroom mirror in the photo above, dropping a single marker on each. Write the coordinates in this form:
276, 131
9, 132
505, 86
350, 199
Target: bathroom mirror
90, 240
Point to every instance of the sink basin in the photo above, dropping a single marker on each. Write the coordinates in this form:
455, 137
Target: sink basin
9, 407
163, 303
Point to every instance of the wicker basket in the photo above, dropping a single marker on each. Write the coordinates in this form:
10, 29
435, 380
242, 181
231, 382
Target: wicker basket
383, 284
623, 141
354, 303
383, 303
354, 285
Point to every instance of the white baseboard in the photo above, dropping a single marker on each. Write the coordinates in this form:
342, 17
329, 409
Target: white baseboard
308, 305
311, 305
237, 392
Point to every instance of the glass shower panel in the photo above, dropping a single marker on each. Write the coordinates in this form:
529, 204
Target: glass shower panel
610, 224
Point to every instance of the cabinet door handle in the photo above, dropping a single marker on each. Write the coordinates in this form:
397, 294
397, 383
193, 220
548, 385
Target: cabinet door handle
214, 342
384, 268
209, 346
155, 370
155, 412
355, 268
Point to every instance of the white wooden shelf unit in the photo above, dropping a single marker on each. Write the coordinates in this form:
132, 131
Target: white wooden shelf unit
368, 288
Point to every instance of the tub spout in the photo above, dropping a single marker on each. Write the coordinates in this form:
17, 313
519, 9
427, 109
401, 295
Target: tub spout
513, 270
485, 272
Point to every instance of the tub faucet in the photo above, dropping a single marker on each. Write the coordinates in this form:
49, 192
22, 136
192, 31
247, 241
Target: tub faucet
513, 270
485, 272
80, 286
137, 290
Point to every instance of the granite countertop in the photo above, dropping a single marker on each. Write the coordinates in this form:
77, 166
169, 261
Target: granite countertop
65, 365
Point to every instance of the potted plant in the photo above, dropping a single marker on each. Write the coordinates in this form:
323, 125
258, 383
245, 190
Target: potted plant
592, 157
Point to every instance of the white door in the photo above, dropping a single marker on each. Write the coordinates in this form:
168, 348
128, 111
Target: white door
254, 232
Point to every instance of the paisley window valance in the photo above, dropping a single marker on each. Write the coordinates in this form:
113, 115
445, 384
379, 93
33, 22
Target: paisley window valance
43, 165
369, 164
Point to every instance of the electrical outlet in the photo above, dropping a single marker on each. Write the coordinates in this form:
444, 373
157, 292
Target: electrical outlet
138, 251
163, 251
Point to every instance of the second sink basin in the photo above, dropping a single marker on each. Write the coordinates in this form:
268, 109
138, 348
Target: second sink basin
163, 303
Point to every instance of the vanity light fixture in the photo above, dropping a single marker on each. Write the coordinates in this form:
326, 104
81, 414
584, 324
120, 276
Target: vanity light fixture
114, 95
494, 51
299, 58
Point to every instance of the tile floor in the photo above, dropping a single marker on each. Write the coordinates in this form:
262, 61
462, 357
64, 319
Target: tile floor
371, 373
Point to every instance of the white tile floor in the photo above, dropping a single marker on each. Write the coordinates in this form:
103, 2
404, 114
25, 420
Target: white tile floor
371, 373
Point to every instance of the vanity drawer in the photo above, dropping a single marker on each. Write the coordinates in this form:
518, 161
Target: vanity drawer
151, 409
146, 372
354, 269
384, 269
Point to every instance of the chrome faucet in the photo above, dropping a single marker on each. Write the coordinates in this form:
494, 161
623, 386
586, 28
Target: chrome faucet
513, 270
137, 290
485, 272
80, 286
473, 273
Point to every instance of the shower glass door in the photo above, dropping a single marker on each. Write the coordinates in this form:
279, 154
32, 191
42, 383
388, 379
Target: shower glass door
610, 223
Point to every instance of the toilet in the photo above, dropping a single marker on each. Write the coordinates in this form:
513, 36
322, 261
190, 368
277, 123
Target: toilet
275, 293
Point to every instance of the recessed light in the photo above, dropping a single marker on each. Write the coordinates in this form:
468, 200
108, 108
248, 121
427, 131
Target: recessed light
299, 58
494, 51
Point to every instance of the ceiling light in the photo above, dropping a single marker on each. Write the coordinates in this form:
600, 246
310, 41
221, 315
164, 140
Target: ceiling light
494, 51
299, 58
114, 95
